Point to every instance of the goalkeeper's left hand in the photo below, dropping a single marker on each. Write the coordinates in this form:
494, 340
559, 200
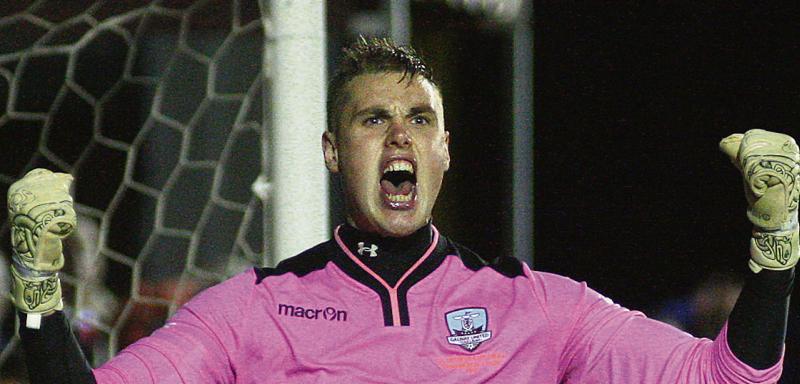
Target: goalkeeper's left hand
41, 214
770, 165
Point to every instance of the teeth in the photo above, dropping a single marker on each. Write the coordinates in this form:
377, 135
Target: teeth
399, 198
399, 165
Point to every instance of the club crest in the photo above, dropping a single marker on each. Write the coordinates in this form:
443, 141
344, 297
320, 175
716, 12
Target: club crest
468, 327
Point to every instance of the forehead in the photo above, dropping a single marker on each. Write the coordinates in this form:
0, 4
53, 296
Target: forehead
391, 89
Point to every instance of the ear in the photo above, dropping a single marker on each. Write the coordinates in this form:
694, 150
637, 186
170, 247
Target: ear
330, 152
446, 150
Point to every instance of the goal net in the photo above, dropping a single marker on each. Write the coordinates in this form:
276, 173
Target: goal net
155, 107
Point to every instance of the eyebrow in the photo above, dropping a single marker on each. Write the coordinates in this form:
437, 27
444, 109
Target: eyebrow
418, 110
376, 111
383, 112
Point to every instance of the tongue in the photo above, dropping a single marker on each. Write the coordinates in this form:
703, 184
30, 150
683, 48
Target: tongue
403, 189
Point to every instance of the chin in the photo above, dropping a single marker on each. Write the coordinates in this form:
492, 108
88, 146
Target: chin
385, 220
399, 231
401, 225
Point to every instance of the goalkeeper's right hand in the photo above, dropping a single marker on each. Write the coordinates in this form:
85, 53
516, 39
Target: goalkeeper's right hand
41, 215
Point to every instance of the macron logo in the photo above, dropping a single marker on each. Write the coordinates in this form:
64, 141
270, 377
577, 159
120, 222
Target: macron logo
329, 313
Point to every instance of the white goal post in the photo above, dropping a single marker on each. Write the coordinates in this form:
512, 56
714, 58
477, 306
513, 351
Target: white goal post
296, 60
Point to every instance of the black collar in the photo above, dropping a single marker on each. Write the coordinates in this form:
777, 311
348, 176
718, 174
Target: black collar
389, 257
398, 264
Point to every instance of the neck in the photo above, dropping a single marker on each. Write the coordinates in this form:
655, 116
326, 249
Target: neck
366, 226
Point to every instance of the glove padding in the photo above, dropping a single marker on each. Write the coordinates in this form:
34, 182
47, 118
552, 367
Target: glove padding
770, 165
41, 215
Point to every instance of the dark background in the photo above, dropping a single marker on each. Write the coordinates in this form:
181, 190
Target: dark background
632, 194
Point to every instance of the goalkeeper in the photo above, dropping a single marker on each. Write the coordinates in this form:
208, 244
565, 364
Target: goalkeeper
390, 299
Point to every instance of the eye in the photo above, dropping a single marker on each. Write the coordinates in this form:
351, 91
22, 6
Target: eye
373, 120
420, 120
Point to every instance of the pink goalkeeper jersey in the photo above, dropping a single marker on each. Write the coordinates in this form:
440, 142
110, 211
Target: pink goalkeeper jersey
324, 317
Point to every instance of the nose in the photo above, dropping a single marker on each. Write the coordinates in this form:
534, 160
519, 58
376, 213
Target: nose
398, 136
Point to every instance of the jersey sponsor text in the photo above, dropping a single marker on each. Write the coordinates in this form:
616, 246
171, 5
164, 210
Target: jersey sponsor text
328, 313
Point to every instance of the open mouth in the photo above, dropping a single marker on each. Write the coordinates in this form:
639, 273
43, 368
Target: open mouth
399, 184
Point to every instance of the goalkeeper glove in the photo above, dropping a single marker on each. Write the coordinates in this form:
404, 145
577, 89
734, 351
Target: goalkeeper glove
41, 214
770, 165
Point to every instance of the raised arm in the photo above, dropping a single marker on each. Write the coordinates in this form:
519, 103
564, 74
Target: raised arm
770, 166
41, 215
189, 349
612, 345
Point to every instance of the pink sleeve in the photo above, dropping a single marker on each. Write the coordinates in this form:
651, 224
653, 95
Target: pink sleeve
610, 344
189, 348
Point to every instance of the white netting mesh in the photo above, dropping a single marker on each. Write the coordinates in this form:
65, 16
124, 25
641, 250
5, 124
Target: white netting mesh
156, 108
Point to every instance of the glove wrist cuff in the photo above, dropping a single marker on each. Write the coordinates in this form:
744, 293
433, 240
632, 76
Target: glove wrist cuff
27, 272
35, 294
774, 250
35, 265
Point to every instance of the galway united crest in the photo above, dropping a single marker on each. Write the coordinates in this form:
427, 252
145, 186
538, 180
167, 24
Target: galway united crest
468, 327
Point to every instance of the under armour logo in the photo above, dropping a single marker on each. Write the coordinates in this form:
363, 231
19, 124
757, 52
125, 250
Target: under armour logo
372, 249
